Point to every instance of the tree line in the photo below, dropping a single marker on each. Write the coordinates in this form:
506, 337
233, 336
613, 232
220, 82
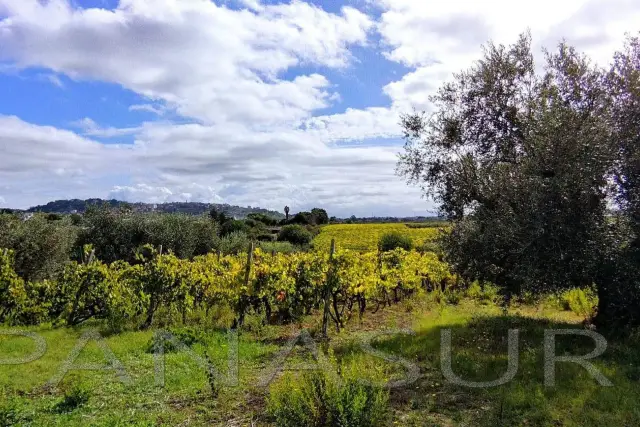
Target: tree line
44, 243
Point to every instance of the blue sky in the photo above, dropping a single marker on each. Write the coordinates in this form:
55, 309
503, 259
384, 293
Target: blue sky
248, 102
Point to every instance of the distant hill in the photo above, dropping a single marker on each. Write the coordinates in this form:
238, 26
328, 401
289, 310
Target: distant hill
190, 208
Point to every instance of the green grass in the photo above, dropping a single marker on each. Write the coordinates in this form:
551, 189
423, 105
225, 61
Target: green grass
479, 354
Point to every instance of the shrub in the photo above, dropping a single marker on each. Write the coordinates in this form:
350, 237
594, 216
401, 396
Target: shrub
71, 401
318, 399
394, 240
278, 247
295, 234
187, 336
452, 297
486, 293
234, 243
582, 302
263, 218
41, 247
234, 226
117, 234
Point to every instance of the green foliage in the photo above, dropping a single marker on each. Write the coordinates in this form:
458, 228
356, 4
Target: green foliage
234, 226
394, 240
485, 292
218, 216
234, 243
583, 302
523, 163
72, 400
12, 288
117, 234
295, 234
317, 216
263, 218
165, 281
278, 247
98, 291
318, 399
41, 247
188, 336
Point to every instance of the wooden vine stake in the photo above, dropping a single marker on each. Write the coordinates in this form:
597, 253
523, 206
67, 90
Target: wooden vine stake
247, 278
327, 292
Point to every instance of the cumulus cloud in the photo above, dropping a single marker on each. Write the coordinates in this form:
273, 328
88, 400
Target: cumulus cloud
29, 149
150, 194
250, 83
213, 63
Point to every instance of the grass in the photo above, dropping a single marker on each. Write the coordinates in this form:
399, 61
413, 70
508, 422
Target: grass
365, 237
479, 332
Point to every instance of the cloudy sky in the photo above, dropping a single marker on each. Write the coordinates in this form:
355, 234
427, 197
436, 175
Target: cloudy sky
248, 102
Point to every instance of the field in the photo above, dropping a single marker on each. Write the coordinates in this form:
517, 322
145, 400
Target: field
257, 373
478, 330
365, 237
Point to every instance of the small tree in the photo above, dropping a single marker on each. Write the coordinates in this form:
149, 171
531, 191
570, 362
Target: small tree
296, 234
319, 216
394, 240
286, 213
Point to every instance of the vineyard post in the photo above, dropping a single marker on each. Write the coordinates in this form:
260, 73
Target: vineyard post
249, 262
91, 256
247, 279
327, 292
5, 251
219, 254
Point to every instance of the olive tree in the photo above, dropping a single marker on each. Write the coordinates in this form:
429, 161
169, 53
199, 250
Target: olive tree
521, 163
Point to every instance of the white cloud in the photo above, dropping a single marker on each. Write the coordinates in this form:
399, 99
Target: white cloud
149, 108
150, 194
213, 63
54, 80
440, 38
257, 138
355, 124
29, 150
90, 128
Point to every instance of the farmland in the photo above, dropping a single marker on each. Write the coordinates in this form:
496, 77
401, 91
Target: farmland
404, 298
523, 309
185, 399
365, 237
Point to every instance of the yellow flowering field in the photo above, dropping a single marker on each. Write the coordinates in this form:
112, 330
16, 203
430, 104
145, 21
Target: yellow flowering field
365, 237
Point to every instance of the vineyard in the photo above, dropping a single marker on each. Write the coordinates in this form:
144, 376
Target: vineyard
280, 287
365, 237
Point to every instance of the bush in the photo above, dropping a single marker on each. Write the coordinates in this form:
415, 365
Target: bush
486, 293
72, 400
278, 247
187, 336
42, 247
234, 226
234, 243
582, 302
295, 234
117, 234
394, 240
263, 218
319, 400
